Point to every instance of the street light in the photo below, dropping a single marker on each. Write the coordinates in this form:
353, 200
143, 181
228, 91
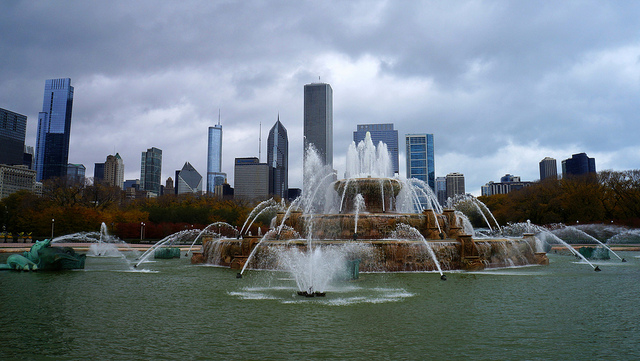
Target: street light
52, 223
141, 230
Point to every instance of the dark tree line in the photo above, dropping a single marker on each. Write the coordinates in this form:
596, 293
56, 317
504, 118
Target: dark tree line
83, 206
605, 197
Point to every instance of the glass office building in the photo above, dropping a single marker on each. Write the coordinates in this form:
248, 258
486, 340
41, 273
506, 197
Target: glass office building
420, 158
215, 176
151, 170
318, 120
13, 129
381, 133
548, 168
578, 164
278, 160
54, 128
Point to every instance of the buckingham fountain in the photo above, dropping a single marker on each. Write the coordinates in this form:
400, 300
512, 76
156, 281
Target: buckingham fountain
369, 221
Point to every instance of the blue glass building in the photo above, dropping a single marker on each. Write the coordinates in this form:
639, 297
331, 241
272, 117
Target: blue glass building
13, 129
381, 133
420, 158
278, 160
54, 128
215, 177
151, 170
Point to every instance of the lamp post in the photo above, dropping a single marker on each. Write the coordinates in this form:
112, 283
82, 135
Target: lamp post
141, 230
52, 223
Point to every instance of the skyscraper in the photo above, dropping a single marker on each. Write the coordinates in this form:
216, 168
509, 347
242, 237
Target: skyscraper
380, 133
278, 160
251, 179
151, 170
76, 172
13, 129
98, 173
188, 180
548, 168
54, 128
420, 158
441, 190
578, 164
318, 120
214, 158
455, 184
114, 171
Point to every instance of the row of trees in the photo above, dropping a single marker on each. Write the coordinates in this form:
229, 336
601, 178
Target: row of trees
605, 197
83, 206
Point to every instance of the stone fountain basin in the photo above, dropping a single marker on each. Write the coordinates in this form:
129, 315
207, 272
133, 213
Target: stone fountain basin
382, 255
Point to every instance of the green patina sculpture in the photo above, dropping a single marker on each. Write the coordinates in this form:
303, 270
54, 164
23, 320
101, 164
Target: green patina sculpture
42, 256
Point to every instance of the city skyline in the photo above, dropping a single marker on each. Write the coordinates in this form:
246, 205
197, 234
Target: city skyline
498, 89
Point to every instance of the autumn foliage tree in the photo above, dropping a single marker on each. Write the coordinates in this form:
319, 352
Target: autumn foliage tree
605, 197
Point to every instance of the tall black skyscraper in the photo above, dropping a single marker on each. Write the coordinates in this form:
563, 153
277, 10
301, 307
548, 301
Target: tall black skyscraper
13, 128
318, 120
278, 160
578, 164
54, 128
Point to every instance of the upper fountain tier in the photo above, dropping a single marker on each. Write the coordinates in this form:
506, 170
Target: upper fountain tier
379, 194
368, 160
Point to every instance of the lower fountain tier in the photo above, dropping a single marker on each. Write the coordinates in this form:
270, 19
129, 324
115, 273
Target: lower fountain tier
386, 255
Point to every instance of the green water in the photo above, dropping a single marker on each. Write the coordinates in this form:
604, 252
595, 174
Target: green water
173, 310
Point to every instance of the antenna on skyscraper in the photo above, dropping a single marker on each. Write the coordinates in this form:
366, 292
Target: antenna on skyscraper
218, 116
260, 144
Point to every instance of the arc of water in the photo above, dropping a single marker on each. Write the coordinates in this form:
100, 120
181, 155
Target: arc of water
344, 192
292, 206
414, 233
260, 213
359, 204
308, 202
482, 208
257, 208
162, 242
571, 249
207, 228
594, 239
255, 249
381, 181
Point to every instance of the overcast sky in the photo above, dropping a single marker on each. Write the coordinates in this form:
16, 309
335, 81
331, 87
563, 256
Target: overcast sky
500, 84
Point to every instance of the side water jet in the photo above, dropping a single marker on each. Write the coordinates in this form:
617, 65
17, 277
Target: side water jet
259, 208
255, 249
571, 249
219, 233
404, 231
585, 234
166, 240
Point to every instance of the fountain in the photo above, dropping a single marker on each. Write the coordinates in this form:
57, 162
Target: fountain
371, 219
